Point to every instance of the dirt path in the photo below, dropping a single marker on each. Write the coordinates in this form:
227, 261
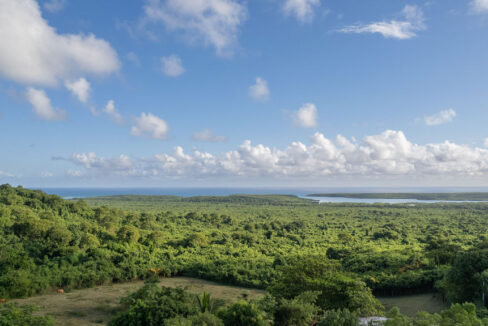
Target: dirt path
96, 306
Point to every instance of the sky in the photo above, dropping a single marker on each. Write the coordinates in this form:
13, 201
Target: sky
243, 93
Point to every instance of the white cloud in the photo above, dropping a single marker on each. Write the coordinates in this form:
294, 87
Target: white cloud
149, 125
303, 10
208, 136
42, 105
485, 142
172, 66
214, 22
90, 160
120, 166
440, 118
80, 88
480, 6
387, 154
111, 111
54, 5
32, 52
74, 173
260, 90
306, 116
413, 22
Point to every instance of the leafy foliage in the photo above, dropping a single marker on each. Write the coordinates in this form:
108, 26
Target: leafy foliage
13, 315
152, 305
335, 289
340, 317
301, 311
288, 245
458, 314
243, 313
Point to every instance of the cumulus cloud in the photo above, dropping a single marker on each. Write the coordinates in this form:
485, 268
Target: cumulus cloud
41, 105
121, 165
413, 22
112, 112
387, 154
172, 66
303, 10
213, 22
32, 52
150, 126
480, 6
54, 5
208, 136
306, 116
80, 88
440, 118
259, 91
90, 160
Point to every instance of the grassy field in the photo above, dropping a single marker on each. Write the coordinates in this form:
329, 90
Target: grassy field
411, 304
96, 306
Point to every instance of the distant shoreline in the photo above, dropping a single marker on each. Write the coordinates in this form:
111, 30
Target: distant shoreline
455, 196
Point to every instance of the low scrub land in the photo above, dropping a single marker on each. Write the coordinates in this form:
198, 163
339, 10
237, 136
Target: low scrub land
316, 260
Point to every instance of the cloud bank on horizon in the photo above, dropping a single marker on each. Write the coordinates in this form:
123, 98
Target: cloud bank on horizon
162, 75
387, 154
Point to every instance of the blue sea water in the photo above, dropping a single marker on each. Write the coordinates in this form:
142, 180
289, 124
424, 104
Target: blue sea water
69, 193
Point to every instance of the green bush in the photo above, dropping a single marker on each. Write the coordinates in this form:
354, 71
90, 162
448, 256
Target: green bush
456, 315
243, 313
318, 273
300, 311
13, 315
152, 305
339, 317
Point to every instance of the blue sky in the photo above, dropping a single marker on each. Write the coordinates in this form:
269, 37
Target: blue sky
229, 92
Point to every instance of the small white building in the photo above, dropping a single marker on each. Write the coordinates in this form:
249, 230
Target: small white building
372, 321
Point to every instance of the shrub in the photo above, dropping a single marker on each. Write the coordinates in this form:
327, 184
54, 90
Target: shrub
13, 315
300, 311
340, 317
152, 305
243, 313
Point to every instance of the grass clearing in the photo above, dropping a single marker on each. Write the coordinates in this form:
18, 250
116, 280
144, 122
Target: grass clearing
96, 306
411, 304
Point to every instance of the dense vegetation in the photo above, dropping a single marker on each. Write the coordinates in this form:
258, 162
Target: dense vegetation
344, 253
13, 315
155, 306
459, 196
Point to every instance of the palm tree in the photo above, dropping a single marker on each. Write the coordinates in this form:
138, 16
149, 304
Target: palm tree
207, 304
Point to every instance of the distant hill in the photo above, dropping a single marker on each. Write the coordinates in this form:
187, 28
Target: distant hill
282, 200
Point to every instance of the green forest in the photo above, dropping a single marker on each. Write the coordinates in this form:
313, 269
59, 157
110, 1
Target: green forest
321, 264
